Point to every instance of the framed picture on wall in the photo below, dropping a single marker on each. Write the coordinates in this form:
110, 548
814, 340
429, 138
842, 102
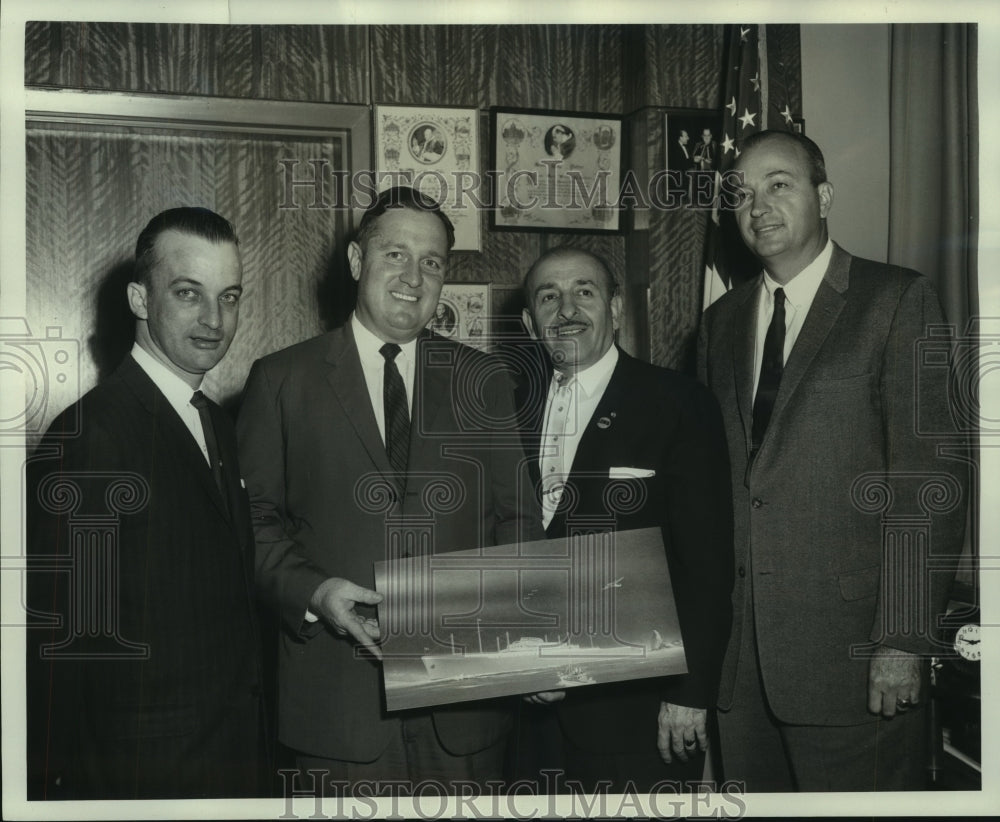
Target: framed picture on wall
462, 313
436, 150
555, 171
693, 140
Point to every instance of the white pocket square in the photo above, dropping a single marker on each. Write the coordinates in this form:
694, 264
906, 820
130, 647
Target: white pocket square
626, 472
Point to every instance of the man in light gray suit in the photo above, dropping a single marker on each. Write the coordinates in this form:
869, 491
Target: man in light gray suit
815, 366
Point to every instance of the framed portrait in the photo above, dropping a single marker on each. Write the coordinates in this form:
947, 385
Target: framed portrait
556, 171
436, 150
462, 313
693, 140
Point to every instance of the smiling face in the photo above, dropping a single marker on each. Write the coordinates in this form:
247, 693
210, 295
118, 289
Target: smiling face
188, 310
571, 309
399, 272
782, 215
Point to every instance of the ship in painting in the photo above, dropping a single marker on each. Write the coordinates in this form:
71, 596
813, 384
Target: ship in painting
528, 653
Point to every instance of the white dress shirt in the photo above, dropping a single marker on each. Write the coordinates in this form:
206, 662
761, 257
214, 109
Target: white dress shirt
571, 402
177, 392
373, 366
799, 295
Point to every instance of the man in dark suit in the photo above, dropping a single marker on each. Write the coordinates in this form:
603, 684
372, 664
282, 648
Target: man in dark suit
146, 683
680, 161
706, 153
347, 441
827, 410
610, 419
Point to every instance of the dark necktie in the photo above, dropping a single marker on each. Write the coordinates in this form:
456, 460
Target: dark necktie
770, 372
397, 414
200, 401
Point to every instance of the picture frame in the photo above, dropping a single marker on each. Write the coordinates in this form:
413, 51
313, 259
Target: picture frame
463, 314
556, 171
436, 150
691, 161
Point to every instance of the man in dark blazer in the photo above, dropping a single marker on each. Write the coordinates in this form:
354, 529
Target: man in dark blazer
656, 436
834, 607
333, 490
144, 681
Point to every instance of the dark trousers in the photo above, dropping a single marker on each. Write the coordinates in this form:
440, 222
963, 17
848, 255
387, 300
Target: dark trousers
542, 755
770, 756
414, 759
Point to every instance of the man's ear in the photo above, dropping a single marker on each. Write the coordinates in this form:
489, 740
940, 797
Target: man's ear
137, 300
354, 255
529, 323
825, 198
616, 310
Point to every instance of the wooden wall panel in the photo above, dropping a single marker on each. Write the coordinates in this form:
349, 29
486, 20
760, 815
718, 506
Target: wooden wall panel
303, 63
578, 68
559, 67
683, 66
80, 246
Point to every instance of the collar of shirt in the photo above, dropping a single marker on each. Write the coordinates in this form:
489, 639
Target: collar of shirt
373, 367
799, 295
593, 379
177, 392
802, 288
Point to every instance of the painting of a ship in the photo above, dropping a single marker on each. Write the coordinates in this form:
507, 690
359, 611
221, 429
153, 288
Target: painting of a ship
528, 653
527, 617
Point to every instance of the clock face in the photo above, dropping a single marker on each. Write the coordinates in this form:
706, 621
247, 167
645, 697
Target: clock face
967, 642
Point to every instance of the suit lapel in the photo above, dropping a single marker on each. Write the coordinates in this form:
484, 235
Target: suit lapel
606, 409
347, 381
432, 397
168, 424
530, 394
744, 346
823, 313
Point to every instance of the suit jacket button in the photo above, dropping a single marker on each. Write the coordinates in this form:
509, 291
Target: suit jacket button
741, 571
757, 502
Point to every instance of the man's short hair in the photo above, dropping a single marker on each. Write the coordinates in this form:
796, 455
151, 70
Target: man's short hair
564, 251
200, 222
817, 165
402, 197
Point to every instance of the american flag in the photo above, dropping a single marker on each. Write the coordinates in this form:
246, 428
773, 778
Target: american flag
747, 108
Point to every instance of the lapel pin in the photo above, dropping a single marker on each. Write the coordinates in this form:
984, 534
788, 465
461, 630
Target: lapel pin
604, 422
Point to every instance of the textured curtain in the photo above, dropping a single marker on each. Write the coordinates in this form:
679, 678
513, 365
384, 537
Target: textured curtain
934, 160
934, 188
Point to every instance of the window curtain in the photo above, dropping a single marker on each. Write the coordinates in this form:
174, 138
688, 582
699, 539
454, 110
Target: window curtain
934, 160
934, 188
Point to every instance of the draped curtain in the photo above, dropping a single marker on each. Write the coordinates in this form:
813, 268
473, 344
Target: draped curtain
934, 168
934, 189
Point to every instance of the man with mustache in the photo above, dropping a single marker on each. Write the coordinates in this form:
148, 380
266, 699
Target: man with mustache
834, 424
608, 416
347, 441
169, 707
